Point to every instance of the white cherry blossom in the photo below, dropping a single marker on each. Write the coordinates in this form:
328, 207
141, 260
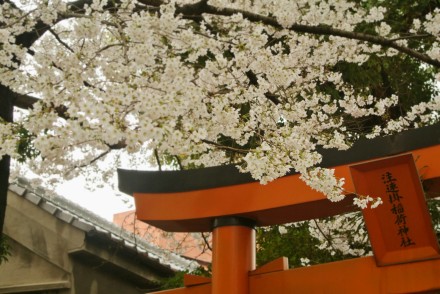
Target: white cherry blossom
150, 77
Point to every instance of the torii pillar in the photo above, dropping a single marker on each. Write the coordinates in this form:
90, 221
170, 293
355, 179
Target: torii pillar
233, 247
230, 204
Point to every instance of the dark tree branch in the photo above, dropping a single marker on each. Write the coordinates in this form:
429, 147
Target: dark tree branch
7, 99
120, 145
253, 80
27, 39
324, 30
6, 114
24, 101
101, 155
156, 155
329, 241
179, 163
219, 146
27, 102
57, 37
4, 185
205, 239
408, 37
195, 12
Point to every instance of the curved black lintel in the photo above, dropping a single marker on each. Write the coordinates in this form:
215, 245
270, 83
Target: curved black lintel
132, 181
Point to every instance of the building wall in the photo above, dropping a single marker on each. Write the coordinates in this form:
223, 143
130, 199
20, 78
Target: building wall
52, 256
94, 281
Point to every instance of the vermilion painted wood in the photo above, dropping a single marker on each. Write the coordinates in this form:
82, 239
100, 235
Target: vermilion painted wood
359, 275
199, 289
233, 258
284, 200
279, 264
403, 216
192, 280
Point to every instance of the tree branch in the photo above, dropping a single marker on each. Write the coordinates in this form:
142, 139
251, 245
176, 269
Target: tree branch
323, 30
156, 155
205, 239
324, 235
179, 163
6, 114
219, 146
57, 37
101, 155
24, 101
408, 37
195, 12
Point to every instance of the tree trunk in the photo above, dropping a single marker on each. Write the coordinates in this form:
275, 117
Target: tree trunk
6, 113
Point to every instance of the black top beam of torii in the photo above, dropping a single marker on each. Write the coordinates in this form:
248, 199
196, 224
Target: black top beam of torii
134, 181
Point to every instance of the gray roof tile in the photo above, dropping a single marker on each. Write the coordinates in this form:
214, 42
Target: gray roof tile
65, 216
82, 225
34, 198
49, 207
87, 221
17, 189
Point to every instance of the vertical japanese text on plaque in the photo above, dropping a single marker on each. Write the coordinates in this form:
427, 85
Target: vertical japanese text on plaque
397, 209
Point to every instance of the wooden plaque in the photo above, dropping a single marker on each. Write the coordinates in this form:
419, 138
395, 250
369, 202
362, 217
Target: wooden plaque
400, 229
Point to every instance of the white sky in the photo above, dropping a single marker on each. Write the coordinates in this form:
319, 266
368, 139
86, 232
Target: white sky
104, 202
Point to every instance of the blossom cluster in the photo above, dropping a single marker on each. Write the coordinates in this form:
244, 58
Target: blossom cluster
154, 79
363, 201
345, 234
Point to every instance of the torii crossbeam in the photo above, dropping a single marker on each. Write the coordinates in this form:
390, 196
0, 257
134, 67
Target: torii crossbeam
230, 204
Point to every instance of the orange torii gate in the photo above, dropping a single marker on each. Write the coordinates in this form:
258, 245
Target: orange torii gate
230, 204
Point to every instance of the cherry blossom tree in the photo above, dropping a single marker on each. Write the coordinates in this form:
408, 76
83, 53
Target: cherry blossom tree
259, 84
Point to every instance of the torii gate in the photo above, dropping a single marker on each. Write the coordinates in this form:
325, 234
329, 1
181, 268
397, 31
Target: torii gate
222, 200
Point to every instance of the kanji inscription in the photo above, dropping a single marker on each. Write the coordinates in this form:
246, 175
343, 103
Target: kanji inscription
397, 209
400, 229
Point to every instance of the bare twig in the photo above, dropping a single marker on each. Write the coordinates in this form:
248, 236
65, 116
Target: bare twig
179, 163
91, 161
324, 235
57, 37
219, 146
156, 155
24, 101
205, 239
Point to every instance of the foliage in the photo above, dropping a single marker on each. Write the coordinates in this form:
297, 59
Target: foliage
315, 241
254, 83
378, 75
293, 242
4, 249
434, 210
177, 280
24, 146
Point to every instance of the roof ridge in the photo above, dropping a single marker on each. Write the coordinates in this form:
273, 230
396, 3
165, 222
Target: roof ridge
86, 220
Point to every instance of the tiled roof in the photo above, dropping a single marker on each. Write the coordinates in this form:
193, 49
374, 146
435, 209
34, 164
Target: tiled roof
185, 244
91, 223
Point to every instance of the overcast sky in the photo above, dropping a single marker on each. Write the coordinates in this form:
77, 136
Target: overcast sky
104, 202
